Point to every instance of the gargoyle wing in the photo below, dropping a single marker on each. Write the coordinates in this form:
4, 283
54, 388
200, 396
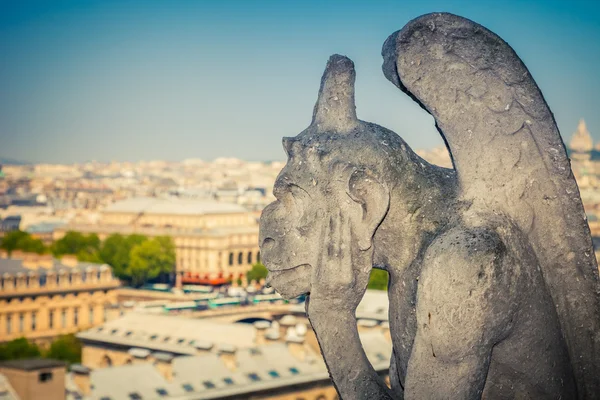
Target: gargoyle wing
509, 158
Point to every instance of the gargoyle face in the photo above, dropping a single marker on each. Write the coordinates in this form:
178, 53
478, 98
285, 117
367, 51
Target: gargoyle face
290, 228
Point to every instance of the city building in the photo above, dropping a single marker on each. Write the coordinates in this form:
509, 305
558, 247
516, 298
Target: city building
33, 379
214, 241
42, 297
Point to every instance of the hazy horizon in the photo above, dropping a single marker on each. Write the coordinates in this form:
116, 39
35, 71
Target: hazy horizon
133, 80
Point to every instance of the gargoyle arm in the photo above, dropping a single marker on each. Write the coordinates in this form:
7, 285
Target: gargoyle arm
346, 360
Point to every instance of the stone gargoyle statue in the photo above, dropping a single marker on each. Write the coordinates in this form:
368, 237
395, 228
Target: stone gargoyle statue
494, 289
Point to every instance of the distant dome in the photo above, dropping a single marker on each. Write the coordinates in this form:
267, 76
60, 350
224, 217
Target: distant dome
581, 142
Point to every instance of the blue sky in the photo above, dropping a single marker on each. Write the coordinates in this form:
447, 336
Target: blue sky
141, 80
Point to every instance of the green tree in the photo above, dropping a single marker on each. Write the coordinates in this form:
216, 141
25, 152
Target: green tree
66, 348
116, 250
85, 247
18, 349
151, 258
31, 245
378, 279
257, 272
19, 240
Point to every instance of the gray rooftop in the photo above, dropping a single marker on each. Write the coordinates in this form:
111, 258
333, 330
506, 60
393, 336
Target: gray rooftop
152, 205
171, 334
14, 266
207, 376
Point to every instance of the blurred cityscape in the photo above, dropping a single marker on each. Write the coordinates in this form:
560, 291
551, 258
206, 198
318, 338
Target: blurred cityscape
143, 281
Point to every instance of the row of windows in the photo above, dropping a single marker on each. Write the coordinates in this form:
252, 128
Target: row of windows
42, 280
240, 257
51, 319
63, 295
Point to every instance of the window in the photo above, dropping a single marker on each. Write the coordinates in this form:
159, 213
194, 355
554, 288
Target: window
105, 314
83, 276
249, 257
255, 351
70, 279
63, 318
153, 337
45, 376
51, 319
135, 396
228, 381
180, 341
208, 384
294, 371
162, 392
240, 258
8, 323
187, 387
230, 258
91, 315
76, 316
167, 338
254, 377
258, 256
33, 320
57, 279
21, 322
274, 374
43, 280
98, 275
128, 333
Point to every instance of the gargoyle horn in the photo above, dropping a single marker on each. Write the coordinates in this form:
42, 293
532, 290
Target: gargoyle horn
335, 110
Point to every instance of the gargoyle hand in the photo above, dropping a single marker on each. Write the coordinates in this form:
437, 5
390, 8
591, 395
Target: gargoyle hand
340, 280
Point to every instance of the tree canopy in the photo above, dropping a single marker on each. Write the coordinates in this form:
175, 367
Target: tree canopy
86, 247
18, 349
19, 240
151, 258
257, 272
65, 348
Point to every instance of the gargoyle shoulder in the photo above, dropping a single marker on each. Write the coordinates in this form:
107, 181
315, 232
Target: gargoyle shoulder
467, 290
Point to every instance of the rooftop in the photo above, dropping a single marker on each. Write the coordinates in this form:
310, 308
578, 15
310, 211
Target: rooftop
166, 206
171, 334
264, 368
14, 266
32, 364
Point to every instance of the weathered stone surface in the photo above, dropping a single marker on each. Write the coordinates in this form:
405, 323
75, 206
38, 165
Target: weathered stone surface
494, 286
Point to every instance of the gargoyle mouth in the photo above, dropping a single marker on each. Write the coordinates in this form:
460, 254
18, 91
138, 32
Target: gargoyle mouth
281, 277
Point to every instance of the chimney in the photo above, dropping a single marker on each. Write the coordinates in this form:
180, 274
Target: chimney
288, 321
227, 355
81, 378
295, 344
366, 325
69, 260
46, 261
385, 327
30, 262
162, 362
203, 347
260, 327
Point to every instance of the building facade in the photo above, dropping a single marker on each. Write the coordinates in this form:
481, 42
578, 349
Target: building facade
42, 297
213, 241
